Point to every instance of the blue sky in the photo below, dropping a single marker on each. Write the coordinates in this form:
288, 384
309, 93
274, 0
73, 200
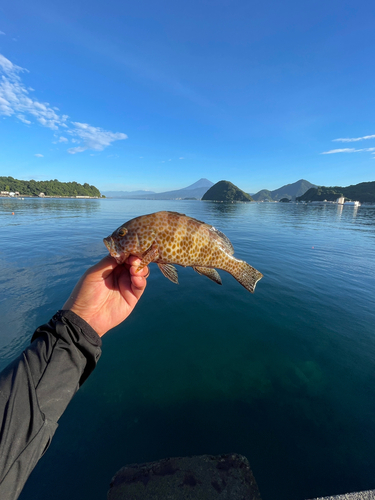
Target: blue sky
155, 95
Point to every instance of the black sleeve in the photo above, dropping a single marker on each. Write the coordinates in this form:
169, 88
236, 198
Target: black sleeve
36, 388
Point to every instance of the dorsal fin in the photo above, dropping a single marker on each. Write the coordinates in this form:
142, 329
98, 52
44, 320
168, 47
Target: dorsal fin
225, 240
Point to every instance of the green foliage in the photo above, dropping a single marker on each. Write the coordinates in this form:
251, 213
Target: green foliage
284, 200
226, 191
363, 192
49, 188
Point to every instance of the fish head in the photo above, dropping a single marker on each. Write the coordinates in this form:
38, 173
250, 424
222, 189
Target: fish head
122, 243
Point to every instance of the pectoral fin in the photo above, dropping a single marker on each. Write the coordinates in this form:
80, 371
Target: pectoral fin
169, 272
212, 274
150, 255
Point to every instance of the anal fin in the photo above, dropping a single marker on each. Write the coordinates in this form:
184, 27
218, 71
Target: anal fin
212, 274
169, 272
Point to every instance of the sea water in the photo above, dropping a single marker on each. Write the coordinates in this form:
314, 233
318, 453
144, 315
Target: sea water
285, 376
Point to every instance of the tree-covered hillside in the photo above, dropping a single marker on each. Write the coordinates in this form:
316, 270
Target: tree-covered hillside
226, 191
363, 192
49, 188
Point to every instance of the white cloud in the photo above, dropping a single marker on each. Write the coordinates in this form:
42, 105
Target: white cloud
355, 139
347, 150
181, 158
15, 101
93, 137
23, 119
2, 33
39, 155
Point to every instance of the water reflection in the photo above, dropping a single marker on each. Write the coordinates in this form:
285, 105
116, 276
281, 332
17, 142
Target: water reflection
226, 209
27, 209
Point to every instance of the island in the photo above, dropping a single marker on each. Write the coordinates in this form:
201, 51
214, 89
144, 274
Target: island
15, 187
226, 191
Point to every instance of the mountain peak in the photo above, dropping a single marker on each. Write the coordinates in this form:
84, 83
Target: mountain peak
226, 191
202, 183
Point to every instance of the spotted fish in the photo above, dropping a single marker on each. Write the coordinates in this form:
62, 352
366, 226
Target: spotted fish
169, 238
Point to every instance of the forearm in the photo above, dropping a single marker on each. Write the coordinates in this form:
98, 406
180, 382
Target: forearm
35, 390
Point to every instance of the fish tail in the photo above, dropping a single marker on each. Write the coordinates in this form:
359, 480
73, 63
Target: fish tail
246, 275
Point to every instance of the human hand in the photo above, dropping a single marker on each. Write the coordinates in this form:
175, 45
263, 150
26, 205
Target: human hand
107, 293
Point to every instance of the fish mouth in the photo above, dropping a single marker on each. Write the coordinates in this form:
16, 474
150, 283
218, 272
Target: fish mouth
110, 244
111, 247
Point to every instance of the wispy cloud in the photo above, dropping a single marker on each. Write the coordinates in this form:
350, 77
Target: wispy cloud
60, 139
181, 158
93, 137
355, 139
15, 101
2, 33
23, 119
38, 155
347, 150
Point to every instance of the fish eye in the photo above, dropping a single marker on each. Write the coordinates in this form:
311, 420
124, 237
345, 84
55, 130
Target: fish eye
122, 231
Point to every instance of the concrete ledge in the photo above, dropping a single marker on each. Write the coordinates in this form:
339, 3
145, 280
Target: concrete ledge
361, 495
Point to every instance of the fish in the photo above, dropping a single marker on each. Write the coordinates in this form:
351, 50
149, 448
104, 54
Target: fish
171, 238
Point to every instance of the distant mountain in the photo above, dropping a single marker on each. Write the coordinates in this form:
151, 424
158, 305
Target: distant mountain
226, 191
290, 191
124, 194
194, 191
363, 192
263, 195
202, 183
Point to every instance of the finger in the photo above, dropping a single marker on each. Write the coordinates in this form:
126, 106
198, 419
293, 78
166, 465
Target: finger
133, 260
138, 280
139, 283
144, 272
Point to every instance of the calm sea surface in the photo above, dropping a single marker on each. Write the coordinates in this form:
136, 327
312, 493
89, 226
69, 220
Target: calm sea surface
285, 377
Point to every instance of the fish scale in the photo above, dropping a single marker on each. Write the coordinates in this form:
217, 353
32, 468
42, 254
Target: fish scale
170, 238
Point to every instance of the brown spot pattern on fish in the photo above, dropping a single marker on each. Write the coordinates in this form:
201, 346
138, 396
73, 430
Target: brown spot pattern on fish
169, 238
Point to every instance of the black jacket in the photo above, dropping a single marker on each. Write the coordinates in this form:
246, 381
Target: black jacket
36, 388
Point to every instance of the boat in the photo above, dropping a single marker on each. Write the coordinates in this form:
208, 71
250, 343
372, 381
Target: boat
353, 203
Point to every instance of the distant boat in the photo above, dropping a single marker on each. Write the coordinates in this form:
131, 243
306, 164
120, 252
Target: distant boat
341, 201
353, 203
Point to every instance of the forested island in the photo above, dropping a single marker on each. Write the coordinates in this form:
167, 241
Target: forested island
226, 191
363, 192
47, 188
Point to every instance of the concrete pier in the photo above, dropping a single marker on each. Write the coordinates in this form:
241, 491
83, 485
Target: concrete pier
361, 495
